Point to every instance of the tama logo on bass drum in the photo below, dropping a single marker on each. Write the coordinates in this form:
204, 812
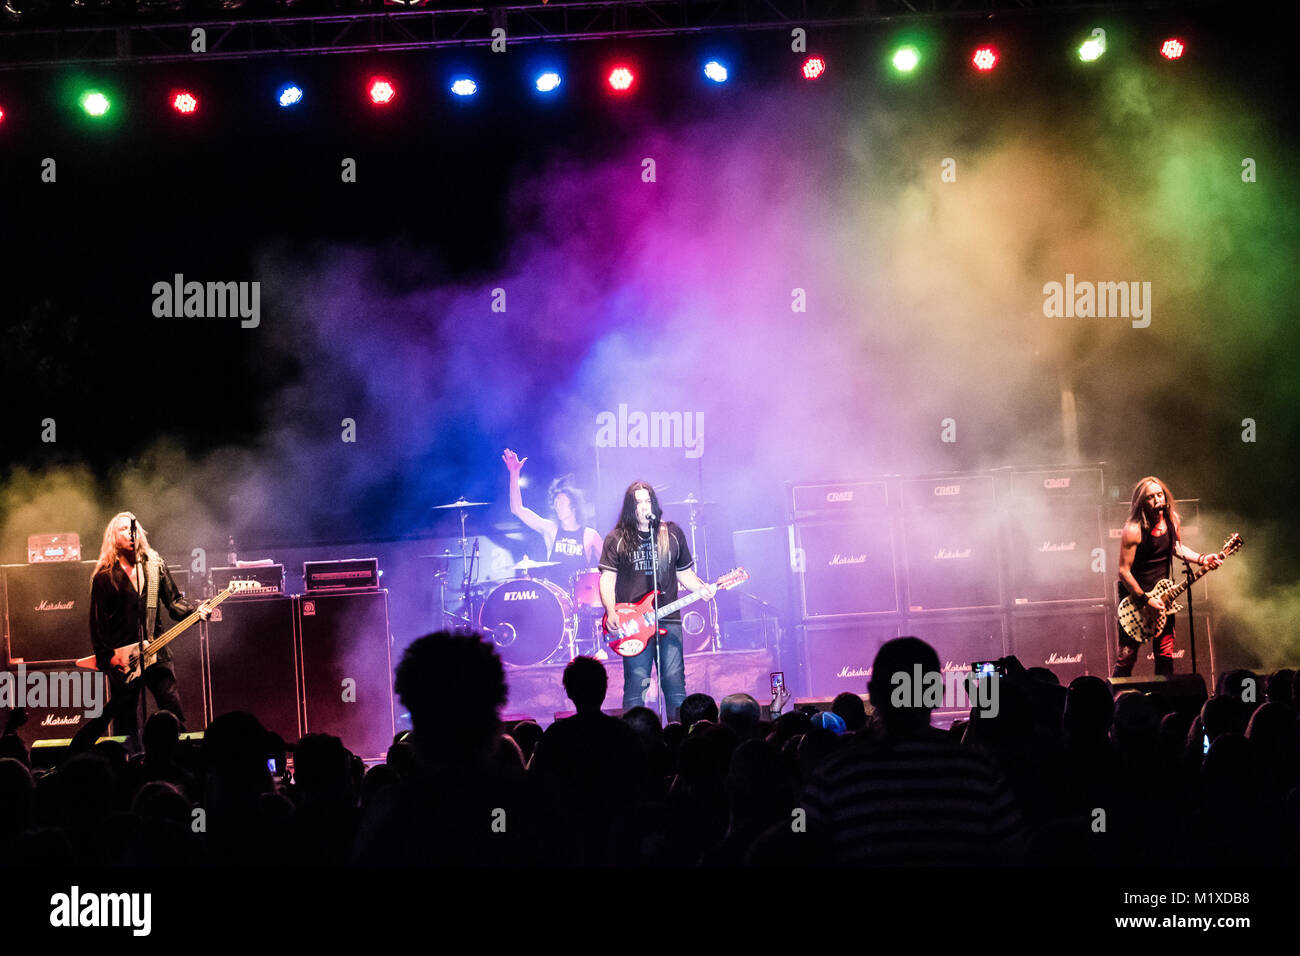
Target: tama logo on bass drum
520, 596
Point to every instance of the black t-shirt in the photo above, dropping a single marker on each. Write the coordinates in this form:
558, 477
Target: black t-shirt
1152, 560
634, 568
569, 552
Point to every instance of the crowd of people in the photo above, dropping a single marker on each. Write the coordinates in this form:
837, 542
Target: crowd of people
1059, 775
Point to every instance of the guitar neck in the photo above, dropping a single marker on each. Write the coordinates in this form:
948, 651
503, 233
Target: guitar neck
1188, 581
677, 605
176, 630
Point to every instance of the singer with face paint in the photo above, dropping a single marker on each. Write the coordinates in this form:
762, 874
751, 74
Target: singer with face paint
119, 601
627, 574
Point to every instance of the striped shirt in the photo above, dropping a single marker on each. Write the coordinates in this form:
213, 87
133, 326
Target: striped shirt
926, 802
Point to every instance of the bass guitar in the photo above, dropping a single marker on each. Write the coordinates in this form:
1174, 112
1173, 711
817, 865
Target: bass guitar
1142, 624
638, 621
139, 665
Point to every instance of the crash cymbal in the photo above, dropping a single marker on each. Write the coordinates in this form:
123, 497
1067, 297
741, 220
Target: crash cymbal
446, 555
692, 500
462, 503
527, 564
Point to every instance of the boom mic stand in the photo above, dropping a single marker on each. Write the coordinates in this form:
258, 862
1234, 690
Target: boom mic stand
1191, 618
659, 660
141, 637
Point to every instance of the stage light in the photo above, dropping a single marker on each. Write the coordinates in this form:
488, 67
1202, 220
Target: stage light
2, 114
906, 59
813, 67
985, 58
1172, 48
289, 95
548, 82
1092, 48
715, 71
464, 87
95, 103
382, 90
621, 79
184, 102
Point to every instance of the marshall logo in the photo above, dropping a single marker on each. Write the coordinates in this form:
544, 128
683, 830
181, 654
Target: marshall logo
945, 554
1055, 658
56, 606
53, 721
1056, 482
1057, 546
838, 558
947, 489
520, 595
839, 496
951, 666
849, 671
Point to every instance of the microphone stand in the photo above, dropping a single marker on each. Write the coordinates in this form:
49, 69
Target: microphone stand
1191, 618
144, 624
659, 660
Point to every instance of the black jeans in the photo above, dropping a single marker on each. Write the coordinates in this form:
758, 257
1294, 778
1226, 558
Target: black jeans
124, 705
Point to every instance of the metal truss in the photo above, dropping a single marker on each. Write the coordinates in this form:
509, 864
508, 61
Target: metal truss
143, 41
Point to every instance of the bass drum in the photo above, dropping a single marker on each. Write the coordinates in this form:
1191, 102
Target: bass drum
528, 620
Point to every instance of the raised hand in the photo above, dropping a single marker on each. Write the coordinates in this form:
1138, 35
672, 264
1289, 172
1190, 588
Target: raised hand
513, 461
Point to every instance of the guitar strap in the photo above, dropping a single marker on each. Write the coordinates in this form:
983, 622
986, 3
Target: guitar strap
151, 575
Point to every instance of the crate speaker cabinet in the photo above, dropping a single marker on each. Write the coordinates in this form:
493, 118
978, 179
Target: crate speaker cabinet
347, 669
253, 662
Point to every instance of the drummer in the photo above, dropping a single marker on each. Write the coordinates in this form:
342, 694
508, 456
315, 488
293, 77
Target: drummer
573, 547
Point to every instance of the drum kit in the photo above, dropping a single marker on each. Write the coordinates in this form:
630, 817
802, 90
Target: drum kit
531, 620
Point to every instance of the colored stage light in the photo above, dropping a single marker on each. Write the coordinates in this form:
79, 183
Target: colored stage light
95, 103
621, 78
906, 59
813, 67
184, 102
715, 71
985, 58
1172, 48
382, 91
2, 114
546, 82
464, 87
1092, 48
289, 95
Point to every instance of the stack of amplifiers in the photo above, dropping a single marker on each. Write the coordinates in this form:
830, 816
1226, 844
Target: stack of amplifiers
843, 549
317, 663
1055, 542
950, 530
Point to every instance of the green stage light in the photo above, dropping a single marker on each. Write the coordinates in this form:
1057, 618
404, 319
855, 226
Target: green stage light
1092, 48
95, 103
906, 59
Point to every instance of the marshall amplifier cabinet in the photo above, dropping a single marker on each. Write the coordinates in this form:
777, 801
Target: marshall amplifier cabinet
958, 640
953, 561
838, 657
271, 577
1056, 483
1206, 660
47, 620
346, 575
1069, 643
811, 499
1056, 553
56, 700
53, 547
845, 567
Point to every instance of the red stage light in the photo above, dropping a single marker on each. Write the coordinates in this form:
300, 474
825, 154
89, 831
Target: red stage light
621, 79
813, 67
1172, 49
985, 58
2, 115
382, 90
184, 102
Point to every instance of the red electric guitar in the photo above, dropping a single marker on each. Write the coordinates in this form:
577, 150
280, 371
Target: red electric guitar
638, 621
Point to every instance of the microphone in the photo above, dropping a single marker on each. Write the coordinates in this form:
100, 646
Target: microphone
133, 530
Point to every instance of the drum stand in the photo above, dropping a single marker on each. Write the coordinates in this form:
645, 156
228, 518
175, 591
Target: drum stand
715, 643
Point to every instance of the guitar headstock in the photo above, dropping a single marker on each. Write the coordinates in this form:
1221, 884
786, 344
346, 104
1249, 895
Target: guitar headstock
1232, 545
732, 578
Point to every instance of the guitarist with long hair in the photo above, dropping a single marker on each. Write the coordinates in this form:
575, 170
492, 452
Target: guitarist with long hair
131, 584
626, 574
1150, 542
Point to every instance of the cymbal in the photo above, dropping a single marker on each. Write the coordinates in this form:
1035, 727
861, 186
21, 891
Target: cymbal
692, 500
527, 564
446, 555
462, 503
